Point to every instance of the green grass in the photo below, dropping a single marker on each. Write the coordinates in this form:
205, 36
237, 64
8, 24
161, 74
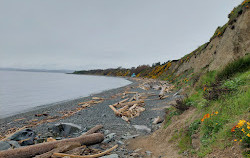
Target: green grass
207, 79
238, 66
215, 131
171, 112
185, 143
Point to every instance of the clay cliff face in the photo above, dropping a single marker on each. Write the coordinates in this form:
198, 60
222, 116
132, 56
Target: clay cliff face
234, 43
230, 42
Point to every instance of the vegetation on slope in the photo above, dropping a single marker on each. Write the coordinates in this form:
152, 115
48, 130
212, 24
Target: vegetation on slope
225, 119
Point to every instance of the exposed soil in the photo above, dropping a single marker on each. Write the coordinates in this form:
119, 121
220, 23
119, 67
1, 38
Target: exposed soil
159, 142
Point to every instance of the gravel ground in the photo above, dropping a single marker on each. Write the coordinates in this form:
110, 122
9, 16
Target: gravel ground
97, 114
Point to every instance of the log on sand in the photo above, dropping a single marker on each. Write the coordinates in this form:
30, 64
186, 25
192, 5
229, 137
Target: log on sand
116, 104
38, 149
117, 113
162, 92
132, 103
60, 148
86, 156
123, 109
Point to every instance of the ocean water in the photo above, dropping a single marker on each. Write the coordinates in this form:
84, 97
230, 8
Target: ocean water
21, 91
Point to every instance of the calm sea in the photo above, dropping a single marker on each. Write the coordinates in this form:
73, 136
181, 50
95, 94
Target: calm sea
21, 91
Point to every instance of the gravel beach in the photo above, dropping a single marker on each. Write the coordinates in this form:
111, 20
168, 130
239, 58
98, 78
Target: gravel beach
97, 114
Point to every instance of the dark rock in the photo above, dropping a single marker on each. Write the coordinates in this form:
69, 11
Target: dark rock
64, 129
4, 145
109, 138
120, 142
14, 144
26, 137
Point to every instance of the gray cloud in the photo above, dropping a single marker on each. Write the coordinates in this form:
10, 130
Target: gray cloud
87, 34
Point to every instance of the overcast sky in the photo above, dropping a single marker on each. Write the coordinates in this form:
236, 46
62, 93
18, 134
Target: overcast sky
87, 34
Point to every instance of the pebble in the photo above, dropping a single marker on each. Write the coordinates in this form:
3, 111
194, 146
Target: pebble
120, 142
142, 128
110, 137
129, 136
110, 156
148, 153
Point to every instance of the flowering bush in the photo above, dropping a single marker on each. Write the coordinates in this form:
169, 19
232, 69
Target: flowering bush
211, 123
206, 116
241, 131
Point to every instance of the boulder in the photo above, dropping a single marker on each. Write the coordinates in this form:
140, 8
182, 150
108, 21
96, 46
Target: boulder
24, 137
64, 129
4, 145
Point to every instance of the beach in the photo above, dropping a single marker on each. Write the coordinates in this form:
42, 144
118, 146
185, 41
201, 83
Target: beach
95, 115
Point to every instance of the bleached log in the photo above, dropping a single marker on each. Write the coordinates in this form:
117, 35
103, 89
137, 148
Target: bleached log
132, 103
162, 92
117, 113
140, 109
121, 110
130, 92
132, 107
86, 156
116, 104
125, 119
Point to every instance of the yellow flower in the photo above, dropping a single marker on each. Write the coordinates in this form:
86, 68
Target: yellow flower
241, 123
248, 127
216, 112
248, 123
241, 140
235, 140
243, 130
248, 135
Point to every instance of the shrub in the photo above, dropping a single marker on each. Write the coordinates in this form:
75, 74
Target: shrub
240, 65
214, 91
193, 127
182, 105
241, 131
211, 124
233, 84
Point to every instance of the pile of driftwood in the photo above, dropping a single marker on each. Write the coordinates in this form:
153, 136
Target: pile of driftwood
82, 105
73, 147
163, 86
129, 107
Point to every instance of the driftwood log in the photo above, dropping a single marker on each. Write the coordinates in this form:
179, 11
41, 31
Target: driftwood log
86, 156
132, 103
116, 104
162, 92
89, 138
60, 148
117, 113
